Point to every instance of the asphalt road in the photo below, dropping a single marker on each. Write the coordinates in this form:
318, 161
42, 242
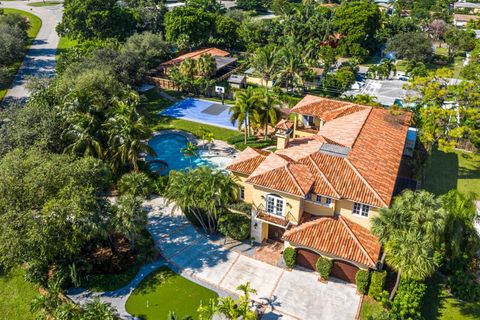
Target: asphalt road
40, 58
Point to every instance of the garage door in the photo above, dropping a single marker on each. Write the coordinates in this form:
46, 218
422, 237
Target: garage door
344, 271
275, 233
307, 259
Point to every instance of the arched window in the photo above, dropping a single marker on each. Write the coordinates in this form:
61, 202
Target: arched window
275, 204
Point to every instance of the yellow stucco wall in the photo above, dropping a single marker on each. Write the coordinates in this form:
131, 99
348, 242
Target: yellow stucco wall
317, 209
293, 205
240, 179
345, 207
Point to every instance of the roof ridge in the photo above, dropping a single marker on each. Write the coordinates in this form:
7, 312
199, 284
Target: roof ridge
365, 181
295, 180
323, 175
307, 224
352, 234
361, 128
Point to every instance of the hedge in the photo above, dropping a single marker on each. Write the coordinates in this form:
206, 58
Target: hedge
324, 267
408, 300
260, 144
361, 280
377, 283
240, 138
289, 256
235, 226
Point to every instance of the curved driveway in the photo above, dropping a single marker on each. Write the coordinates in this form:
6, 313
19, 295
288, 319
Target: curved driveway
40, 58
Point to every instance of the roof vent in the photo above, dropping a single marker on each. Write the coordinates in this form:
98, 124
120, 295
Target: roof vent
334, 150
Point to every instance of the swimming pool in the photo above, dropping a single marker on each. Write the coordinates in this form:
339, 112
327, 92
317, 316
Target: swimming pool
202, 111
168, 147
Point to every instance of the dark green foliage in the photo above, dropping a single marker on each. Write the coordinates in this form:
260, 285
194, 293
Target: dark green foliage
408, 300
377, 283
37, 272
289, 256
235, 225
411, 46
260, 144
362, 279
324, 267
251, 4
463, 286
242, 206
240, 138
135, 183
13, 37
159, 185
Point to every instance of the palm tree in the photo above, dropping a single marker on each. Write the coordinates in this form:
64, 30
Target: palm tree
127, 133
244, 111
206, 66
187, 68
209, 138
410, 232
268, 112
265, 62
190, 151
207, 311
83, 135
292, 69
130, 218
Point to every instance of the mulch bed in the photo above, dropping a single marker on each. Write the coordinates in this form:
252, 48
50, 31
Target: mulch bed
104, 260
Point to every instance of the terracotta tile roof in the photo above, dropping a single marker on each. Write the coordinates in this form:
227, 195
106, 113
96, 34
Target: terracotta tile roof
196, 55
326, 109
339, 237
365, 171
248, 160
284, 125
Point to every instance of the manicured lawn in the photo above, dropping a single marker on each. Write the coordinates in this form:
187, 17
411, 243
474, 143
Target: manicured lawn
35, 25
165, 291
439, 304
455, 170
16, 295
65, 43
154, 103
44, 4
370, 309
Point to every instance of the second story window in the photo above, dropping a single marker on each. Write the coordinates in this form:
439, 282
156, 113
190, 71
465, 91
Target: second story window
319, 199
308, 196
360, 209
328, 200
275, 204
242, 193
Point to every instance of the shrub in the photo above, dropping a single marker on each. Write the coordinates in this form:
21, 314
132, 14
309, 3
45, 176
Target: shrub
240, 138
408, 300
377, 283
254, 144
361, 279
242, 206
37, 272
235, 226
324, 267
160, 184
134, 183
463, 285
289, 256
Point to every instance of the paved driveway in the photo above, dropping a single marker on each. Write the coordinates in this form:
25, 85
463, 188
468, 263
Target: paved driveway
295, 294
40, 58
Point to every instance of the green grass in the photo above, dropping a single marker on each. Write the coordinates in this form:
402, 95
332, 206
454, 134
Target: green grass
16, 296
64, 44
370, 308
165, 291
44, 4
154, 103
455, 170
35, 25
439, 304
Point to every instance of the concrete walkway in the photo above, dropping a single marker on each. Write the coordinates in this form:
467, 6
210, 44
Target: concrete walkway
40, 58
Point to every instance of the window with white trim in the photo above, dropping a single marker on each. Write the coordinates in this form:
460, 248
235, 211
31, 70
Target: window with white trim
360, 209
242, 193
319, 199
275, 204
328, 200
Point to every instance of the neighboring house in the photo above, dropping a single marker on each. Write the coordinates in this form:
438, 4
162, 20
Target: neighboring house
461, 20
467, 7
335, 166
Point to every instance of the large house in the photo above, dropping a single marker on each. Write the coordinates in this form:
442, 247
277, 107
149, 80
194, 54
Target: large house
335, 166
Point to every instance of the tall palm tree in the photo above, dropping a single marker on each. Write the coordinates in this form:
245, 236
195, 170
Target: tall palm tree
187, 68
268, 112
265, 62
127, 132
206, 66
130, 218
244, 111
190, 151
410, 232
83, 135
292, 69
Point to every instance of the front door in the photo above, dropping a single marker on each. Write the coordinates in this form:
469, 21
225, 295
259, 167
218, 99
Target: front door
275, 233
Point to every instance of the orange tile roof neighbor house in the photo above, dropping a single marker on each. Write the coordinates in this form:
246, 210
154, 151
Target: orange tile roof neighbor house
356, 155
214, 52
339, 237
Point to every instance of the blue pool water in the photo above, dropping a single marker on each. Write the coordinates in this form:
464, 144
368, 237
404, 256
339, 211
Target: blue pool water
193, 110
168, 148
